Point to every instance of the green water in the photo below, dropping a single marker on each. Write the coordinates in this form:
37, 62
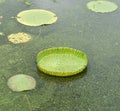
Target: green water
98, 35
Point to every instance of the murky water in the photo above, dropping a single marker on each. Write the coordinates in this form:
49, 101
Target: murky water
98, 35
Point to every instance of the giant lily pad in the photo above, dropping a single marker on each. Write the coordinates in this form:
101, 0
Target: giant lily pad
21, 82
20, 37
36, 17
61, 61
102, 6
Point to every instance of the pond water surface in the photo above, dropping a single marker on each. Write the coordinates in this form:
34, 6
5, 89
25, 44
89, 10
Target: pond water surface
98, 35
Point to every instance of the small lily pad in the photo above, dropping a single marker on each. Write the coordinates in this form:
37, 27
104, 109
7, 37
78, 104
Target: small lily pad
20, 37
36, 17
102, 6
1, 17
1, 1
61, 61
28, 3
2, 34
21, 82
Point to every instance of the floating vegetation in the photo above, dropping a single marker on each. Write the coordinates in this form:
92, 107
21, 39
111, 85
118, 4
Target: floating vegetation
2, 34
1, 17
36, 17
61, 61
102, 6
1, 1
28, 3
20, 37
55, 1
21, 82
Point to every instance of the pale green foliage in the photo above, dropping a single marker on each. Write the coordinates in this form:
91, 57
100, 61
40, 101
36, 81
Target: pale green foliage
2, 34
102, 6
1, 1
36, 17
28, 3
21, 82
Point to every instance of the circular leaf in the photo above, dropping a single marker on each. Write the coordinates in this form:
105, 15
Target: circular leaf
102, 6
1, 1
36, 17
61, 61
21, 82
20, 37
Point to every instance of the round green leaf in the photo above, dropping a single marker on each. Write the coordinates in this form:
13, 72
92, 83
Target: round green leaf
102, 6
61, 61
21, 82
1, 1
36, 17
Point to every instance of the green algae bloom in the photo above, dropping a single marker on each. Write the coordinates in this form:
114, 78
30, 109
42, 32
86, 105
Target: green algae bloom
102, 6
61, 61
21, 82
36, 17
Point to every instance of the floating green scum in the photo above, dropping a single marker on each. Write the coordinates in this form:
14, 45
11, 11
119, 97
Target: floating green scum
102, 6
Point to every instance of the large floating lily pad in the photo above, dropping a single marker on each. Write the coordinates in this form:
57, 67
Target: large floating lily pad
102, 6
36, 17
61, 61
20, 37
21, 82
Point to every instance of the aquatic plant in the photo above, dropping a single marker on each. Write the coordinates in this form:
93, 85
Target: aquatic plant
21, 82
36, 17
102, 6
1, 1
1, 17
28, 3
61, 61
20, 37
2, 34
